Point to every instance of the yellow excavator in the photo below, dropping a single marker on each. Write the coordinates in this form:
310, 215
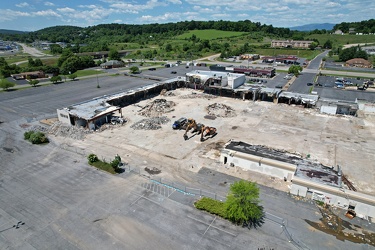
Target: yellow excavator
192, 124
199, 128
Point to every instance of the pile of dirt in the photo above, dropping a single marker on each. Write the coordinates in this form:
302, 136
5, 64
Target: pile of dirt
157, 108
66, 130
220, 110
153, 123
198, 95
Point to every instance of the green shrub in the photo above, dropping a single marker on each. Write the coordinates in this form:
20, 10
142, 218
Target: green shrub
27, 135
38, 138
92, 158
35, 137
212, 206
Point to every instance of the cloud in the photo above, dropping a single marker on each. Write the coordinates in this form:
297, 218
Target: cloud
22, 5
9, 15
46, 13
66, 10
117, 21
175, 1
49, 4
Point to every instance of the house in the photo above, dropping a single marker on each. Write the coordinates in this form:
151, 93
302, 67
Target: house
351, 30
112, 64
358, 62
339, 32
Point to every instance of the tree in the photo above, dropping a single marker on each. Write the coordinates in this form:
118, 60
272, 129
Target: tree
294, 69
242, 204
114, 55
55, 79
328, 44
5, 84
134, 69
72, 76
33, 82
313, 45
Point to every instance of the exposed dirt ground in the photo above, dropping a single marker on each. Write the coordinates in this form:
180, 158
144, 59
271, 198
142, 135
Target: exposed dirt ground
343, 140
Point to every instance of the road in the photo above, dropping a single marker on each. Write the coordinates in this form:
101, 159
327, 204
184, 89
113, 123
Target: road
32, 51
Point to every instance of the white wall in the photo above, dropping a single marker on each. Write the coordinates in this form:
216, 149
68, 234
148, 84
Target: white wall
328, 109
334, 196
258, 164
235, 82
63, 116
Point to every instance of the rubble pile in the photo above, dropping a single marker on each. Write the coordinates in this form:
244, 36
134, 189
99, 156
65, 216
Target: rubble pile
198, 95
220, 110
157, 108
39, 128
153, 123
165, 92
65, 130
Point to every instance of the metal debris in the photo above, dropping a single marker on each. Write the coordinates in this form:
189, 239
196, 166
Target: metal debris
157, 108
220, 110
153, 123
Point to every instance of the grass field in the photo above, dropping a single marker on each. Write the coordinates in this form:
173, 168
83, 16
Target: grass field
210, 34
302, 53
342, 39
88, 72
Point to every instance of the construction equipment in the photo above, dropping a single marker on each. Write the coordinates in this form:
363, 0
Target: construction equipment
206, 131
192, 124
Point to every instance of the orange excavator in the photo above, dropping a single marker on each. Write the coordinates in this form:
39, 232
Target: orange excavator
206, 131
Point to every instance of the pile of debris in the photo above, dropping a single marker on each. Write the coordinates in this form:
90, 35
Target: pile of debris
220, 110
198, 95
157, 108
165, 92
65, 130
153, 123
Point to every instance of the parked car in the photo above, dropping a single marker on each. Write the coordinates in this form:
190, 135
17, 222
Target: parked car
179, 124
174, 72
310, 84
152, 69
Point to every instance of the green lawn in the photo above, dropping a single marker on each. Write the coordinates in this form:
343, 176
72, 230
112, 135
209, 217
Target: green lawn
342, 39
210, 34
88, 72
302, 53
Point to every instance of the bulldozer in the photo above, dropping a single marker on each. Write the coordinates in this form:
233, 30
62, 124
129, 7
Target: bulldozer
206, 131
192, 124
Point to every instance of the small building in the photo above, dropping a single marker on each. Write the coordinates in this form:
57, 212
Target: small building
29, 75
112, 64
215, 79
290, 44
358, 62
338, 32
89, 114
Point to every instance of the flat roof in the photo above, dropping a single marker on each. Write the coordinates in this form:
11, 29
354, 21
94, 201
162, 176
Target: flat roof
305, 168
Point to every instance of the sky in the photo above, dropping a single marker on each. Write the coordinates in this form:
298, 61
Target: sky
32, 15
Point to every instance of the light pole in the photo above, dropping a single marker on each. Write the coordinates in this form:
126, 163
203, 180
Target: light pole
97, 80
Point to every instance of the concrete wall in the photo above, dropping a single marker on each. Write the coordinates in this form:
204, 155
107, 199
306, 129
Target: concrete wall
258, 164
328, 109
367, 107
63, 116
235, 82
334, 196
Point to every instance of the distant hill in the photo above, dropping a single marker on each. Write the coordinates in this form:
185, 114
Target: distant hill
314, 26
3, 31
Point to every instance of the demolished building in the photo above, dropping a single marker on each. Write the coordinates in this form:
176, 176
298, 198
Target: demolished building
308, 178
